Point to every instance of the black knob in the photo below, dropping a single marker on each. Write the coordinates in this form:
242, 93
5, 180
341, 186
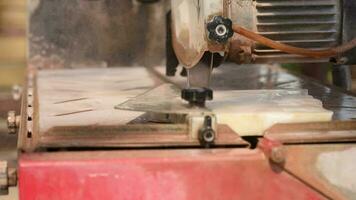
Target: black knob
220, 29
197, 96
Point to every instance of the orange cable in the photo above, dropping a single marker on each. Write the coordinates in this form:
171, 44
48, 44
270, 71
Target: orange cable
295, 50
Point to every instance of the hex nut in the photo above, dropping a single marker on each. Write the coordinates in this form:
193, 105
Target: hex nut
13, 122
278, 154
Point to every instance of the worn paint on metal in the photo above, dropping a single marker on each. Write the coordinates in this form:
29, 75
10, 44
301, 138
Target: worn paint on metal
315, 165
161, 174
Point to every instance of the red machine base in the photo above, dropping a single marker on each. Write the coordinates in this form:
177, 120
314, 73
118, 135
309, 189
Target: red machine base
157, 174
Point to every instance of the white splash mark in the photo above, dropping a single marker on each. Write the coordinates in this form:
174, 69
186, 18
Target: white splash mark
339, 168
94, 175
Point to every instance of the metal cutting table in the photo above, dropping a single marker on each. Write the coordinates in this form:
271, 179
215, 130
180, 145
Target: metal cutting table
76, 145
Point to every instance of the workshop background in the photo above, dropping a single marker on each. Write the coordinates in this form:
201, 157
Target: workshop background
13, 19
12, 68
12, 41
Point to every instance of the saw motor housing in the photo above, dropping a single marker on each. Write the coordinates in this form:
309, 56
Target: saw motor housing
307, 24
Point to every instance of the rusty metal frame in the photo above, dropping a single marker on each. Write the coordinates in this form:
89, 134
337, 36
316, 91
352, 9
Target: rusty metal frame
139, 136
301, 133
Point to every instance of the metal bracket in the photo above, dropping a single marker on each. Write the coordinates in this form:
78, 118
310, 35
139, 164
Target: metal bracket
203, 127
273, 149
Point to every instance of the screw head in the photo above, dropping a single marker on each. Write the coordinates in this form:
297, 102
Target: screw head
208, 136
13, 122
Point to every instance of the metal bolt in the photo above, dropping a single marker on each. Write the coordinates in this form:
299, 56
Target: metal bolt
274, 150
208, 136
278, 154
220, 30
16, 92
13, 122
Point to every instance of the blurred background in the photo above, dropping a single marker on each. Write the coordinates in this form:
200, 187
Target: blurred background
12, 42
12, 52
12, 69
